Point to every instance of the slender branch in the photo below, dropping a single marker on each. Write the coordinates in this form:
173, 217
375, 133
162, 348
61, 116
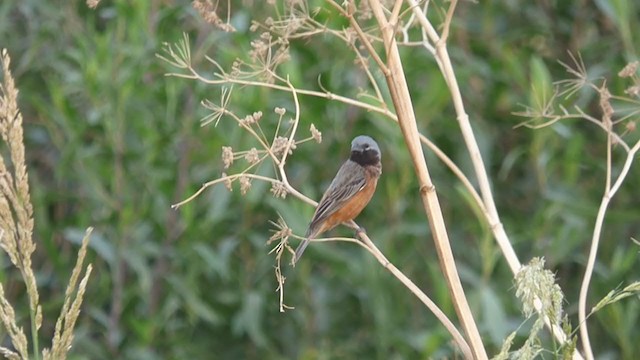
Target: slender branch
447, 21
580, 114
294, 93
372, 79
457, 337
326, 95
363, 37
593, 252
393, 18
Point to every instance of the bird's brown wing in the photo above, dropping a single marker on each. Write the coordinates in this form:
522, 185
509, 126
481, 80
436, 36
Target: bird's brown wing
349, 180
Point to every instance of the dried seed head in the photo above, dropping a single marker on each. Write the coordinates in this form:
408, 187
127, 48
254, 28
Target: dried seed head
536, 287
280, 111
629, 70
207, 10
315, 134
245, 184
250, 119
235, 68
266, 36
252, 156
227, 156
280, 144
605, 105
278, 189
258, 51
227, 181
633, 91
282, 234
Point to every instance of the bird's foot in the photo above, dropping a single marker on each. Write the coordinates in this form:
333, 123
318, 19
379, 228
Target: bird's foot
359, 232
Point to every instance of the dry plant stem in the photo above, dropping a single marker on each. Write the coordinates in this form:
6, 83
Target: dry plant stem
467, 133
358, 29
370, 246
593, 252
208, 184
490, 209
579, 115
225, 80
404, 108
457, 337
282, 162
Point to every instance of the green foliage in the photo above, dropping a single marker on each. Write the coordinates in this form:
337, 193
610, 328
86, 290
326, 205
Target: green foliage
111, 142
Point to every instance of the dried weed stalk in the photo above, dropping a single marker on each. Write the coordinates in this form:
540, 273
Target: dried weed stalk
617, 118
16, 231
261, 69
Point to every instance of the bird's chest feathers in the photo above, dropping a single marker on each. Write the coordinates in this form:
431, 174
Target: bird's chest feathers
357, 203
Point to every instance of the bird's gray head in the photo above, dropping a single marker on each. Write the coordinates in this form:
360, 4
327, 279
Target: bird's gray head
365, 151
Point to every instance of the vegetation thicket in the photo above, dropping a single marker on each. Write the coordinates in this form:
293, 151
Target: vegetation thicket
194, 140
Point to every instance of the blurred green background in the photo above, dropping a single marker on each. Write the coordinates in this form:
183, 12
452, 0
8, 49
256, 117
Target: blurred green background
112, 143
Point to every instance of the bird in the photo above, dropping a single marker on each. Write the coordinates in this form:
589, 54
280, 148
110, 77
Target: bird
350, 191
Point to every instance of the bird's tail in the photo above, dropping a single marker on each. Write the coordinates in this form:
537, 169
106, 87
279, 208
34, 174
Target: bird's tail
312, 232
303, 245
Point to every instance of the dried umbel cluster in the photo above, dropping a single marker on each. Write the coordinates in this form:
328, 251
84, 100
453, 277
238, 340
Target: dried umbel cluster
273, 150
619, 112
209, 12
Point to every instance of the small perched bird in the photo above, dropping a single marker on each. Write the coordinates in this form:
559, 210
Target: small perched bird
349, 192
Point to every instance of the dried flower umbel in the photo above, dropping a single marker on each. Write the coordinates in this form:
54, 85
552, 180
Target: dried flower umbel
278, 189
207, 10
629, 70
227, 156
245, 184
252, 156
315, 134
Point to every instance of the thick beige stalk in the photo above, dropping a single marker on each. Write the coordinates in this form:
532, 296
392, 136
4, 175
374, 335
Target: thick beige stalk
404, 108
489, 208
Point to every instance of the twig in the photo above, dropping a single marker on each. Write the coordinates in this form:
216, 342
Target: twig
593, 252
457, 337
361, 34
294, 94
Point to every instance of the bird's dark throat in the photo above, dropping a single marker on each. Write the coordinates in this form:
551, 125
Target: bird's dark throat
366, 157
